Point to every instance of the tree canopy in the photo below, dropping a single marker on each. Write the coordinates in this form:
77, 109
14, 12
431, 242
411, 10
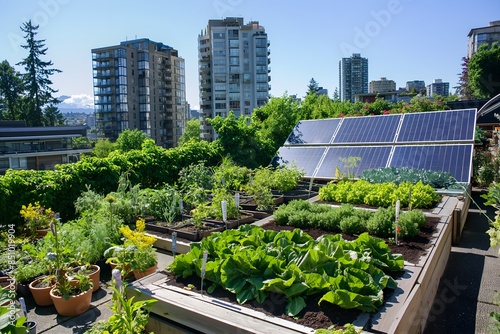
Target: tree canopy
130, 140
484, 71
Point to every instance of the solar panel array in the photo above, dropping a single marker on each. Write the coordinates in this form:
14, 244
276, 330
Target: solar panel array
437, 140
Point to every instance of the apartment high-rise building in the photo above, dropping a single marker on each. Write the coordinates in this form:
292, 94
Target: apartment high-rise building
140, 84
353, 77
485, 35
234, 70
382, 86
438, 87
415, 85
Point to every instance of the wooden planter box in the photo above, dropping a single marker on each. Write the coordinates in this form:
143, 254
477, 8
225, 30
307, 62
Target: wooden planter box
406, 310
189, 232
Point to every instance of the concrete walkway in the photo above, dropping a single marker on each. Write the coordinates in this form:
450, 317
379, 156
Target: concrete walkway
49, 322
471, 279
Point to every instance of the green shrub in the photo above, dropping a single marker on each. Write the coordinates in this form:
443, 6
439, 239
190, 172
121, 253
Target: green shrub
352, 225
409, 223
382, 223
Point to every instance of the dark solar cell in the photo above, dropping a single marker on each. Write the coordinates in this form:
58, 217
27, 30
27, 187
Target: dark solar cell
455, 159
304, 157
313, 132
370, 157
438, 126
371, 129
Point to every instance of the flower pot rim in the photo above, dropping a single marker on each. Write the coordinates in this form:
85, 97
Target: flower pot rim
57, 296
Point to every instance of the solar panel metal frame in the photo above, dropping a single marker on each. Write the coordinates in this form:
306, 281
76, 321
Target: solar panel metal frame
396, 143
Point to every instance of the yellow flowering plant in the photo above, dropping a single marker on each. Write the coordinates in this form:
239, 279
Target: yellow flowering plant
136, 252
37, 217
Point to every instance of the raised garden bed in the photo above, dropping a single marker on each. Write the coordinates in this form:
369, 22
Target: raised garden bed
404, 311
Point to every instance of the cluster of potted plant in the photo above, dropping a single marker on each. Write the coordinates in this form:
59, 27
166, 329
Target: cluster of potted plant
70, 291
135, 254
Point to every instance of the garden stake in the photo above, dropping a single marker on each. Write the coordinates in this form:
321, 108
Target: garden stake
398, 204
203, 265
23, 307
237, 201
223, 204
181, 208
174, 243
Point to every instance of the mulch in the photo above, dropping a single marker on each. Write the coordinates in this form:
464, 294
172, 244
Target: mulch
314, 315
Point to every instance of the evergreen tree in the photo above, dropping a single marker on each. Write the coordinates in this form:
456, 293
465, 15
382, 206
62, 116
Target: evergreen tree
11, 92
52, 116
463, 89
313, 86
36, 79
336, 96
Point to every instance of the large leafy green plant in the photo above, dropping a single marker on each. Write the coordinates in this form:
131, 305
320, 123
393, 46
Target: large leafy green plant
252, 263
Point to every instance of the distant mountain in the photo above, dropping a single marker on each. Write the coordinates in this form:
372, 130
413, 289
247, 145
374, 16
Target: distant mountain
76, 103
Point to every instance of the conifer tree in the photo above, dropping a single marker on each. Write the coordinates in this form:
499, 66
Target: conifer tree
37, 77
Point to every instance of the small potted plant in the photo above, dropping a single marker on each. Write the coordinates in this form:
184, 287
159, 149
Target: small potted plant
136, 254
69, 299
37, 218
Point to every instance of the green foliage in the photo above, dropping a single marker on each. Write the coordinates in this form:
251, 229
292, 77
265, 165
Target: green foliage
484, 71
347, 219
252, 263
231, 176
239, 141
380, 194
10, 321
11, 92
435, 179
131, 140
381, 223
102, 148
348, 329
485, 167
493, 198
129, 316
410, 223
192, 132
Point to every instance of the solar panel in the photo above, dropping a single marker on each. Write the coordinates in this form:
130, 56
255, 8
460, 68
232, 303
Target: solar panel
438, 126
369, 129
437, 140
370, 157
455, 159
303, 157
313, 132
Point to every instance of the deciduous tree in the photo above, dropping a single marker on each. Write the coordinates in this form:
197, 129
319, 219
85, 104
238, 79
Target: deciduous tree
484, 71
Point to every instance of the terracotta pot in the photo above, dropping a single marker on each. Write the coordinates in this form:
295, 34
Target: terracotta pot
7, 282
140, 274
41, 233
74, 306
95, 276
41, 295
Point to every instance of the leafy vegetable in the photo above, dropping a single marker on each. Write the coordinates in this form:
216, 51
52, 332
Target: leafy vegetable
252, 263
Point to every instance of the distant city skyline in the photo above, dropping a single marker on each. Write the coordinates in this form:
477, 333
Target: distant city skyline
403, 40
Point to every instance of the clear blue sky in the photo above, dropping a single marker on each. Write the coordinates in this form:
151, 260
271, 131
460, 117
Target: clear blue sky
403, 39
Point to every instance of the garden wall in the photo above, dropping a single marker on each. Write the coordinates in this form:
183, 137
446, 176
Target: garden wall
405, 312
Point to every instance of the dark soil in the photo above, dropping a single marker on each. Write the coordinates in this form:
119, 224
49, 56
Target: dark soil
314, 315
